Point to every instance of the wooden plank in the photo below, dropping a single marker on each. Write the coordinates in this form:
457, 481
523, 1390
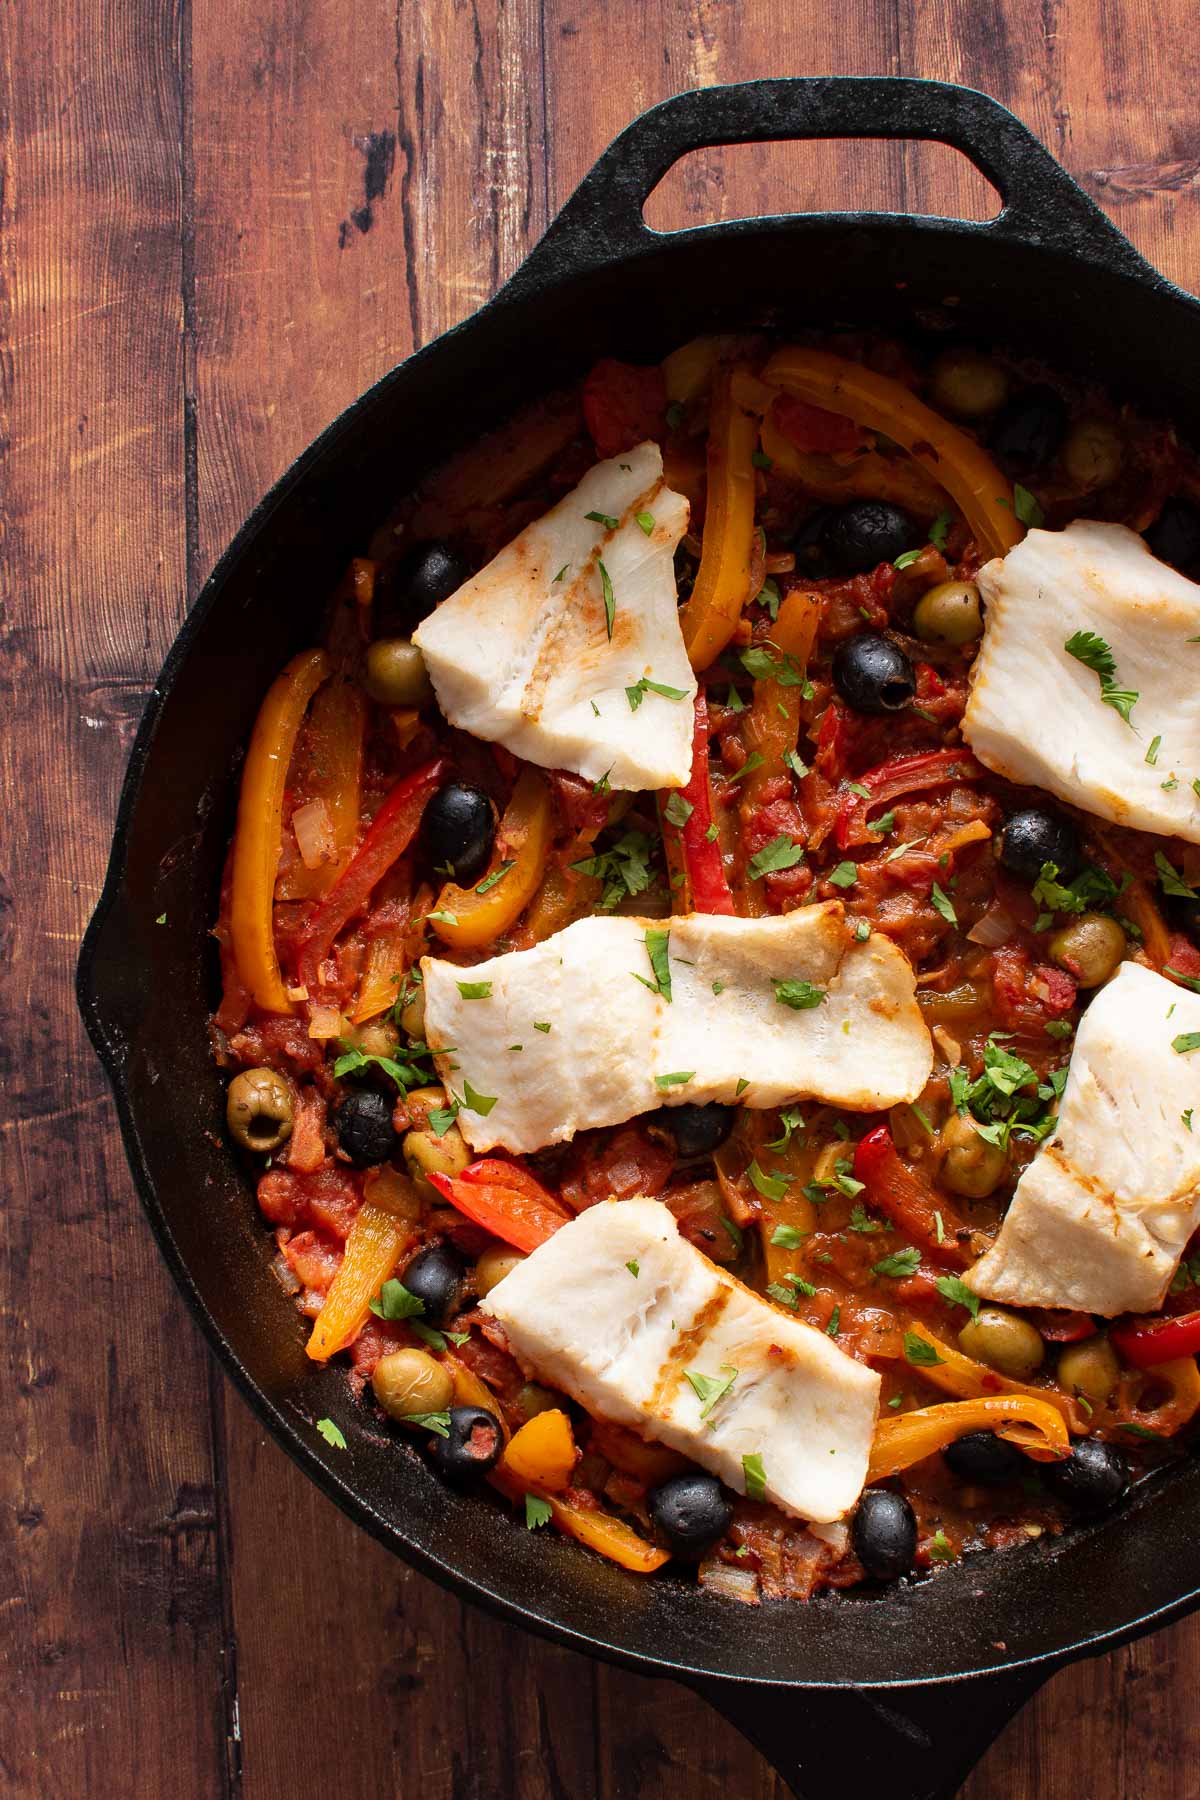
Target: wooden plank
111, 1593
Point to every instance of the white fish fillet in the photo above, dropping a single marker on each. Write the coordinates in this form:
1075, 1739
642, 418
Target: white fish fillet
863, 1046
521, 655
1036, 715
621, 1344
1102, 1214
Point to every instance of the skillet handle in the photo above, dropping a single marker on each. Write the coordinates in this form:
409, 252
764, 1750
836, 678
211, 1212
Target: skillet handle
912, 1743
603, 218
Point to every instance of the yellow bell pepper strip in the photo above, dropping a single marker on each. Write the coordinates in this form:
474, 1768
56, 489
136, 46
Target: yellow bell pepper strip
771, 724
387, 962
385, 1226
960, 465
469, 1390
722, 587
337, 728
542, 1453
909, 1438
467, 918
865, 475
957, 1374
1180, 1379
390, 833
257, 841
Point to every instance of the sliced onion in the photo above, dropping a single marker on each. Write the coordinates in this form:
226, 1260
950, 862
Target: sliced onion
836, 1535
734, 1584
325, 1022
285, 1275
996, 927
314, 834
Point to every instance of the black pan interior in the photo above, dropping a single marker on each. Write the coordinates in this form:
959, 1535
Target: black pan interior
147, 988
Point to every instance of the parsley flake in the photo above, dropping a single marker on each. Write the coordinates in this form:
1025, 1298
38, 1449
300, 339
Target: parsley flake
711, 1388
605, 519
475, 990
954, 1289
783, 852
677, 810
1172, 881
1026, 507
1095, 654
844, 876
658, 944
785, 1237
646, 521
329, 1431
755, 1476
610, 605
942, 904
835, 1320
754, 761
771, 1187
679, 1079
437, 1422
1152, 752
801, 996
1185, 1042
542, 1025
637, 693
898, 1265
537, 1512
479, 1103
496, 876
634, 1267
920, 1354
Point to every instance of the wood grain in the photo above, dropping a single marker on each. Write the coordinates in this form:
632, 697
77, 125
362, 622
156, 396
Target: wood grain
218, 223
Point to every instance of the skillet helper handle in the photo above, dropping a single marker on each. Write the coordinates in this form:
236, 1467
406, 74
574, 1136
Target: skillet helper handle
911, 1743
603, 218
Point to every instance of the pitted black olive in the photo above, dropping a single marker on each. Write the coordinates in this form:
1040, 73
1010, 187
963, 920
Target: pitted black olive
698, 1130
435, 1277
364, 1128
1029, 430
691, 1511
1094, 1476
458, 831
472, 1446
884, 1534
429, 574
984, 1459
872, 674
1037, 836
859, 537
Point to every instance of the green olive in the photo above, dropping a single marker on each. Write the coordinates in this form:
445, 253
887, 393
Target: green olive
396, 673
971, 1166
410, 1381
258, 1109
412, 1017
1093, 453
375, 1037
1090, 948
427, 1154
1090, 1368
949, 613
1004, 1341
497, 1261
532, 1399
967, 384
421, 1102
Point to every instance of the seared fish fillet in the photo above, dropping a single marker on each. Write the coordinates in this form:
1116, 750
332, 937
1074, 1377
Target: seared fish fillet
522, 654
616, 1046
618, 1310
1102, 1214
1037, 714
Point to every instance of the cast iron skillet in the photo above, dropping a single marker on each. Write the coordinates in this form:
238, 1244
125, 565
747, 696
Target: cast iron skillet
905, 1686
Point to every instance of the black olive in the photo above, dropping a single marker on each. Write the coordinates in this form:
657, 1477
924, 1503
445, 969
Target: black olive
1094, 1476
808, 546
884, 1534
429, 574
364, 1128
691, 1511
472, 1446
698, 1130
1029, 430
1037, 836
1174, 536
872, 674
458, 831
984, 1458
435, 1277
861, 536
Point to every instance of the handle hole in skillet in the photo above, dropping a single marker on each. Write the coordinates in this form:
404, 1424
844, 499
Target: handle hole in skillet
749, 181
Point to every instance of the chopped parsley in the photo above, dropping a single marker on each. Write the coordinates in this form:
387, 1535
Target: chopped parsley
954, 1289
883, 824
677, 810
679, 1079
646, 521
755, 1475
920, 1354
1090, 889
1095, 654
637, 693
862, 930
410, 1068
442, 917
624, 868
907, 557
1186, 1117
475, 990
1026, 507
634, 1267
898, 1265
761, 460
798, 768
791, 1121
754, 761
857, 787
783, 852
784, 1237
1007, 1098
861, 1221
711, 1388
771, 1187
785, 1296
497, 875
537, 1512
330, 1432
394, 1302
1185, 1042
801, 996
844, 876
610, 605
942, 904
835, 1320
741, 1087
1152, 752
442, 1118
437, 1422
718, 987
1172, 881
939, 529
542, 1025
658, 944
941, 1549
1187, 981
562, 572
605, 519
479, 1103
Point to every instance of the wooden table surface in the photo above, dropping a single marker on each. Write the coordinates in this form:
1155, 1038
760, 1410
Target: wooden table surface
219, 221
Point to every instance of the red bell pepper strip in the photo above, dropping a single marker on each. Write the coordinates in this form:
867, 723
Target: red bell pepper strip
706, 889
905, 1199
506, 1200
1145, 1342
900, 775
1058, 1325
391, 832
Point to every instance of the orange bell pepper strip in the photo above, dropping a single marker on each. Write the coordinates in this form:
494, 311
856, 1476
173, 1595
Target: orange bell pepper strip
384, 1227
470, 1390
542, 1453
505, 1199
908, 1438
475, 916
390, 833
962, 1376
693, 848
337, 729
722, 587
771, 725
600, 1531
959, 464
257, 841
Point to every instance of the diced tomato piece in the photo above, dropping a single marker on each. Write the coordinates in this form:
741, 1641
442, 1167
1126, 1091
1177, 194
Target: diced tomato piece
625, 1162
813, 429
624, 405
